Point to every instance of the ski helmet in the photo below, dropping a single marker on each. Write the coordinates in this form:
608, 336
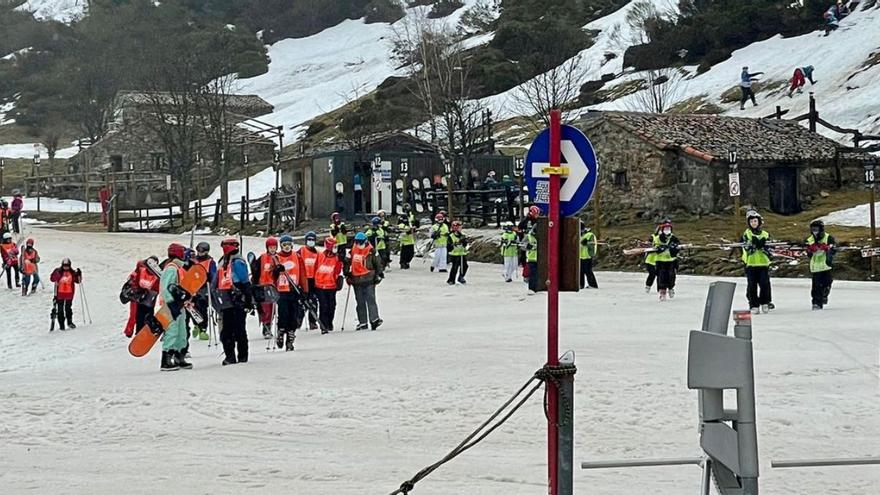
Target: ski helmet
329, 244
29, 242
177, 251
65, 262
439, 217
817, 224
230, 245
456, 224
7, 236
153, 257
285, 239
334, 216
360, 238
754, 214
203, 247
271, 242
534, 211
376, 221
311, 235
381, 213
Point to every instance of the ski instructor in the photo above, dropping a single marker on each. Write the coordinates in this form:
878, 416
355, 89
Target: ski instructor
234, 290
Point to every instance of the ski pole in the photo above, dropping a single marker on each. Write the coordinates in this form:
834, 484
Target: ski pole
85, 303
345, 311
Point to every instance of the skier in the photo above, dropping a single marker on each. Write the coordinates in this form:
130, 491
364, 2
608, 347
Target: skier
289, 272
407, 240
263, 276
309, 256
203, 257
531, 250
15, 211
5, 213
756, 256
588, 247
458, 255
328, 280
440, 237
667, 247
820, 249
525, 225
144, 289
174, 340
29, 263
65, 279
234, 291
377, 236
509, 252
364, 272
799, 79
745, 85
339, 230
9, 256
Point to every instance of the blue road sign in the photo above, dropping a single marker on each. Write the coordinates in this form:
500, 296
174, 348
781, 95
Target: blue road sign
583, 174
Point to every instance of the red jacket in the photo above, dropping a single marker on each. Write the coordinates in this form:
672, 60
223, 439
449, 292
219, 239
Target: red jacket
65, 283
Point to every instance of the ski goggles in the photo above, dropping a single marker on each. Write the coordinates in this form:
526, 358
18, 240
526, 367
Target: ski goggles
287, 246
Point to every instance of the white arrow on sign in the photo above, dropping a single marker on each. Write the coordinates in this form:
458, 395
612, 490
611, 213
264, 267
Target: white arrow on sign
577, 171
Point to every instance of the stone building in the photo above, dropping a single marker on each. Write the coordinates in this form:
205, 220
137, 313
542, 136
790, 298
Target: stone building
132, 153
662, 163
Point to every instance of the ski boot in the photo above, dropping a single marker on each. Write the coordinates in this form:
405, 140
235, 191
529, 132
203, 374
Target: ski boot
817, 307
289, 346
180, 358
267, 332
227, 363
671, 293
647, 289
71, 325
279, 341
461, 280
765, 308
450, 282
168, 362
755, 310
203, 335
376, 323
771, 306
313, 326
432, 269
361, 326
662, 295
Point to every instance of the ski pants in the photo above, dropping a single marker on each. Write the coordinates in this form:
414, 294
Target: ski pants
15, 220
758, 277
365, 296
587, 275
326, 307
385, 255
459, 264
797, 80
132, 319
9, 269
312, 297
65, 311
665, 275
265, 311
439, 261
821, 287
143, 312
652, 274
175, 336
31, 281
290, 315
234, 334
407, 252
747, 93
510, 264
533, 275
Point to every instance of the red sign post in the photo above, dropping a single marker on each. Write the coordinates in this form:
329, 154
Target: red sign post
555, 171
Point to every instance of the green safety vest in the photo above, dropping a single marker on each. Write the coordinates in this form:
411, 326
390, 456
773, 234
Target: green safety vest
531, 248
508, 244
458, 247
819, 259
406, 237
588, 245
665, 255
380, 238
341, 238
443, 238
759, 257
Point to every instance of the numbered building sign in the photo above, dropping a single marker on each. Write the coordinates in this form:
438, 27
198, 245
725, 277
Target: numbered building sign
870, 177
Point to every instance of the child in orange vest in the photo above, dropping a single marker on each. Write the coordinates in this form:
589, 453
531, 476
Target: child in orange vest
30, 258
65, 279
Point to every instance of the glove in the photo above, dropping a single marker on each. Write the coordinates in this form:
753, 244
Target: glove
349, 280
435, 235
379, 279
339, 283
661, 249
278, 270
812, 248
750, 249
79, 273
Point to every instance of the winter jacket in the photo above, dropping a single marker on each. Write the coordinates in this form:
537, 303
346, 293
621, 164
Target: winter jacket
746, 78
17, 204
374, 272
820, 249
9, 253
65, 281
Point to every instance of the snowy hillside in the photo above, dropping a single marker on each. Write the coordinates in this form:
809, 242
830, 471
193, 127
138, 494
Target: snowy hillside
56, 10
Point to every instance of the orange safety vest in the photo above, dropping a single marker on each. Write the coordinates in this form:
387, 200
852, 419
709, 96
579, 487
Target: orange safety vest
326, 271
267, 269
359, 259
224, 276
29, 265
12, 254
147, 280
206, 263
309, 258
293, 266
65, 283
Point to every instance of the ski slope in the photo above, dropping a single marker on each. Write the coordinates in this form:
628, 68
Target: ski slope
354, 413
65, 11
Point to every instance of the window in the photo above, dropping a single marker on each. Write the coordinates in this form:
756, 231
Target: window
116, 162
619, 180
684, 177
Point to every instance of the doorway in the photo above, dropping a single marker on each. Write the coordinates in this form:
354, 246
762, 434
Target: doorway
784, 190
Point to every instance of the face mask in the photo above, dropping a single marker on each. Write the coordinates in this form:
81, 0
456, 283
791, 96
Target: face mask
815, 231
310, 243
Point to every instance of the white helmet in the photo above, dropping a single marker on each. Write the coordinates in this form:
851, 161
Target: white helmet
7, 236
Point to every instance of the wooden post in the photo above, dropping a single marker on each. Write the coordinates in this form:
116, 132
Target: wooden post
270, 215
241, 214
170, 215
813, 114
873, 229
218, 211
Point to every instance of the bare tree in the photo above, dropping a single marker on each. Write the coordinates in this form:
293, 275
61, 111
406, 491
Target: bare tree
555, 88
662, 89
356, 130
50, 139
218, 126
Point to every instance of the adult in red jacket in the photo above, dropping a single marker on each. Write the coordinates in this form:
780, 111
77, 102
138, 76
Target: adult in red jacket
328, 280
65, 279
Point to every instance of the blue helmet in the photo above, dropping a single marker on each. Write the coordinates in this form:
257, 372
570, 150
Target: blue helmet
285, 239
376, 221
311, 235
360, 237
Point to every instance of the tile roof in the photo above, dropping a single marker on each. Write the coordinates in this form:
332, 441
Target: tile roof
251, 106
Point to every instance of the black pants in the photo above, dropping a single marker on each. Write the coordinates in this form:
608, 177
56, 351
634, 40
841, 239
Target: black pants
406, 255
821, 287
665, 275
652, 274
65, 312
533, 275
587, 275
313, 297
9, 270
758, 277
15, 220
290, 314
140, 317
326, 307
459, 264
234, 334
746, 94
385, 256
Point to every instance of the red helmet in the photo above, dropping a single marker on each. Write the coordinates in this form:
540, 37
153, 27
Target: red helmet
329, 243
456, 224
334, 216
176, 250
229, 245
271, 242
439, 217
29, 242
534, 211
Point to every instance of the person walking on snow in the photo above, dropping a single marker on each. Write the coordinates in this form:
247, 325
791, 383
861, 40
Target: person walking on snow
289, 274
9, 257
407, 239
309, 256
234, 291
203, 257
798, 80
263, 281
143, 289
377, 237
440, 237
756, 256
174, 339
509, 253
651, 264
65, 279
15, 211
458, 255
820, 249
328, 280
364, 272
531, 250
29, 263
522, 229
587, 253
745, 85
666, 245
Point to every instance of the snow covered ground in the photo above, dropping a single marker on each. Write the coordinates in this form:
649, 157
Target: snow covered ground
57, 10
353, 413
26, 150
857, 216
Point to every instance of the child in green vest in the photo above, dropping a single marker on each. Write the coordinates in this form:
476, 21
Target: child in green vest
820, 249
509, 252
458, 243
587, 253
756, 257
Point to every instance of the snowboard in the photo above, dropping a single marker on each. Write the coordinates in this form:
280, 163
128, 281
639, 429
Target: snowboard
262, 293
194, 279
416, 192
